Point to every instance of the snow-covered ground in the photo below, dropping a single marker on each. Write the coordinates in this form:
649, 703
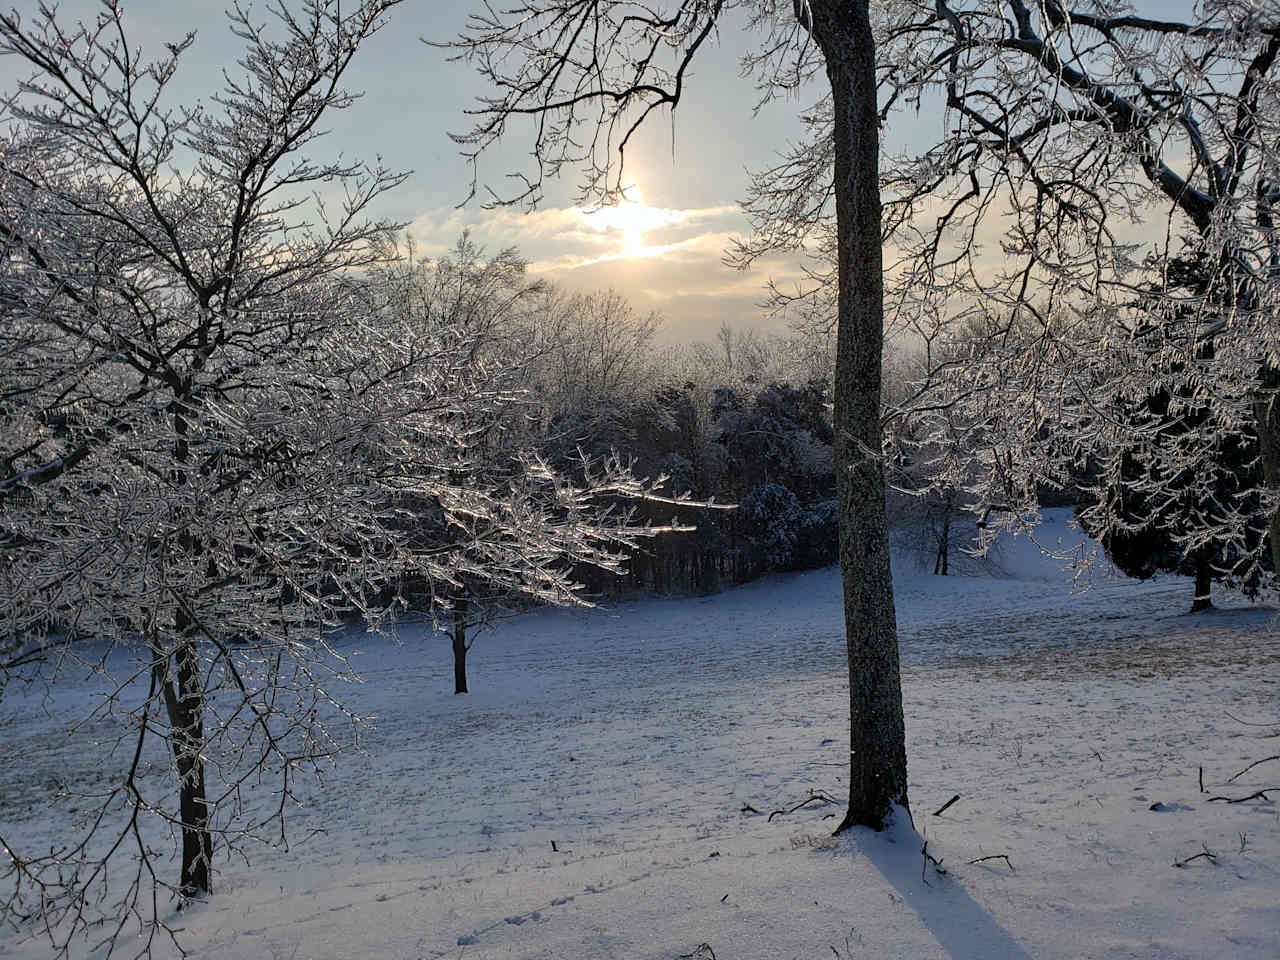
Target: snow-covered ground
606, 790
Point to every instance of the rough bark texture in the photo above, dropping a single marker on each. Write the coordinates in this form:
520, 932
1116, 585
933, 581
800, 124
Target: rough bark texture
460, 645
186, 708
186, 720
877, 748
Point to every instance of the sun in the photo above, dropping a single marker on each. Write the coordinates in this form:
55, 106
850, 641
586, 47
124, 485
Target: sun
630, 220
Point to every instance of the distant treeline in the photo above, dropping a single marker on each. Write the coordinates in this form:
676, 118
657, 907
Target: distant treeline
766, 449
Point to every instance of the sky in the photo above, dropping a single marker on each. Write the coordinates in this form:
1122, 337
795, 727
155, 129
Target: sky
663, 251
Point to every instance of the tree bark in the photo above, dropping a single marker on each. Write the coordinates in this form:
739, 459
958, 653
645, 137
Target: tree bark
1204, 580
877, 747
186, 722
1267, 417
186, 707
460, 645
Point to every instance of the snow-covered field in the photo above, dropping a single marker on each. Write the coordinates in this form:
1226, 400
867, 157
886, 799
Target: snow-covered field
607, 789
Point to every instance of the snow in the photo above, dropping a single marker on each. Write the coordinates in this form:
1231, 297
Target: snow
587, 800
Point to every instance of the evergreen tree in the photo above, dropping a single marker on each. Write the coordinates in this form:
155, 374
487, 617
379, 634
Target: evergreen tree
1192, 510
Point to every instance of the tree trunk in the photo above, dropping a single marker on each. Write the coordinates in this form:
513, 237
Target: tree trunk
1204, 581
1266, 409
186, 721
944, 540
877, 748
1267, 417
460, 645
186, 707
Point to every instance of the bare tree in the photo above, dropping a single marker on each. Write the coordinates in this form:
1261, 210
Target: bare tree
1107, 120
222, 433
583, 76
585, 351
1077, 146
741, 358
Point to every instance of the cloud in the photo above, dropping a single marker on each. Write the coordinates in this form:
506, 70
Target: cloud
662, 259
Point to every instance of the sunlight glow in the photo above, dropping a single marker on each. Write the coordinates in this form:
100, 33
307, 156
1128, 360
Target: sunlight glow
630, 220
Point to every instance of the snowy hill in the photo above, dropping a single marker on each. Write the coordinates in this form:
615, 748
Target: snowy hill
607, 791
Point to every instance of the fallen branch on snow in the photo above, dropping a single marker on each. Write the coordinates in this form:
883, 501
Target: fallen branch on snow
996, 856
942, 809
1253, 796
926, 859
1205, 852
1252, 765
819, 797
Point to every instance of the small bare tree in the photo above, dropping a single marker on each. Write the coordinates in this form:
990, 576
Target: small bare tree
223, 432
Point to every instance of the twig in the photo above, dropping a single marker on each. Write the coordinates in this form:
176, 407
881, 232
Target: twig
702, 951
1202, 779
996, 856
820, 797
1252, 765
927, 858
1253, 796
748, 808
942, 809
1205, 852
1250, 723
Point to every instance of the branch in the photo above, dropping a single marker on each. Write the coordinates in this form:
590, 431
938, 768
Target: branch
995, 856
1251, 766
1257, 795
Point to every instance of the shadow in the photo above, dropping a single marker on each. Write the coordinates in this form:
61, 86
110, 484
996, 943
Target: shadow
961, 926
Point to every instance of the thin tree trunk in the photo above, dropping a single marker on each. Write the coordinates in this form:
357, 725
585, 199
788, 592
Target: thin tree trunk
1204, 580
1266, 409
1267, 417
877, 748
460, 645
940, 564
186, 721
186, 707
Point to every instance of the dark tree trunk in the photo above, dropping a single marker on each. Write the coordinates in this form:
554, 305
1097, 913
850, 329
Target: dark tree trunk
1267, 409
186, 707
1267, 414
877, 748
460, 645
1204, 581
944, 541
186, 720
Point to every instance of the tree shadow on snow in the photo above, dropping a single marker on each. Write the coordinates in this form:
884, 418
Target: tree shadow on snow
962, 927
